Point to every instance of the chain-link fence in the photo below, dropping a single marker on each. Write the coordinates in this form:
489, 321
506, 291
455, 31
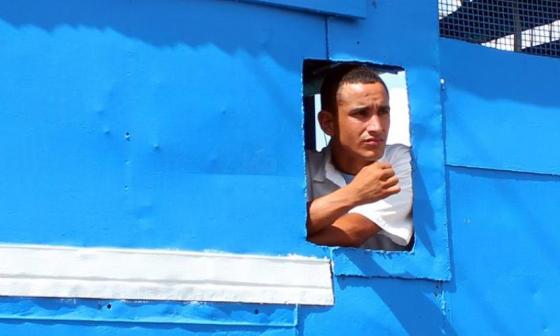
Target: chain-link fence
528, 26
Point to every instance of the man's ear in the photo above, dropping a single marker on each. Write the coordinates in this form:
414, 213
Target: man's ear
327, 122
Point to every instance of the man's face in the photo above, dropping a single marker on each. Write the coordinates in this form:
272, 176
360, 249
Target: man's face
361, 124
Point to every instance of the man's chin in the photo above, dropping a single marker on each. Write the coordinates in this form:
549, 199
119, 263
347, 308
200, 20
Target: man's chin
372, 156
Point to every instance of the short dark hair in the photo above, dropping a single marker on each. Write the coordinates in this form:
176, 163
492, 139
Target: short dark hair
346, 73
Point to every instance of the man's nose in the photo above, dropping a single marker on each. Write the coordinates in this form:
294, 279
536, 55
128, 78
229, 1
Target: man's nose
374, 124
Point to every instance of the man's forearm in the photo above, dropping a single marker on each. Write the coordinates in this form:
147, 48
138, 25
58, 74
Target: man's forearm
373, 182
350, 230
324, 211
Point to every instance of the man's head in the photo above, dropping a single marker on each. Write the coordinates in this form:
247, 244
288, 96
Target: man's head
355, 113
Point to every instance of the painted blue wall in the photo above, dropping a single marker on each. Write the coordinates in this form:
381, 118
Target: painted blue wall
149, 124
395, 300
502, 112
385, 37
178, 124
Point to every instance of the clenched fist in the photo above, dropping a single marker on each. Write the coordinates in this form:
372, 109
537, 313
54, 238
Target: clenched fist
374, 182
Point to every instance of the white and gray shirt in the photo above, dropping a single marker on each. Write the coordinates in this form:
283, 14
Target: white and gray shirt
392, 214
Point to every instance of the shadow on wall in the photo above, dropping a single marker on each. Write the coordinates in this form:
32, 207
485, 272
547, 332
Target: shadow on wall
424, 221
496, 75
82, 74
228, 25
366, 306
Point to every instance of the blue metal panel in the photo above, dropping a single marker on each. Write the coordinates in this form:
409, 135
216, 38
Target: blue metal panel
352, 8
505, 247
380, 307
395, 33
385, 37
17, 328
502, 109
172, 124
169, 124
147, 312
142, 125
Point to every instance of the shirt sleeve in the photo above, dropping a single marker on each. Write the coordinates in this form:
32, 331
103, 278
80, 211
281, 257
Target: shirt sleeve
393, 214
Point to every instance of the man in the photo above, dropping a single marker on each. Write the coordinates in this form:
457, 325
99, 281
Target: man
360, 190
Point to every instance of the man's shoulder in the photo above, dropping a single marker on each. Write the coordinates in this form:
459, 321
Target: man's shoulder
396, 152
393, 152
323, 151
315, 158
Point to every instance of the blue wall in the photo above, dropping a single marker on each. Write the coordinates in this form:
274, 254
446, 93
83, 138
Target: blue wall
178, 124
502, 112
154, 124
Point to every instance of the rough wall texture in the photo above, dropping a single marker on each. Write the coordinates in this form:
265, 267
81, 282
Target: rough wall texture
177, 124
155, 124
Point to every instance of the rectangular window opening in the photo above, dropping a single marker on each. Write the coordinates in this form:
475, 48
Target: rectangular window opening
360, 133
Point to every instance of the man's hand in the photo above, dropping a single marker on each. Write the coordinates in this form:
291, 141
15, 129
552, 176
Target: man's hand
374, 182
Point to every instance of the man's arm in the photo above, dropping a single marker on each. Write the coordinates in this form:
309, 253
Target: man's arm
324, 211
350, 230
374, 182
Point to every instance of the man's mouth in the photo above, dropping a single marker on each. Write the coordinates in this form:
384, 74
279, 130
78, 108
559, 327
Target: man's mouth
373, 141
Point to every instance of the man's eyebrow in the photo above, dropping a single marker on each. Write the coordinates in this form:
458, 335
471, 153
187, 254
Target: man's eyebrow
359, 109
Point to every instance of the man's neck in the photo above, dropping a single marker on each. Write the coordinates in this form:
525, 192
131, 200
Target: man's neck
344, 162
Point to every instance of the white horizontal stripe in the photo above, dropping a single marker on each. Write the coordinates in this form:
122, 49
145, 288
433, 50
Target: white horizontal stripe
54, 271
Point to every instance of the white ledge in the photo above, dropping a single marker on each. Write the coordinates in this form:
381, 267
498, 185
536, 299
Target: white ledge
145, 274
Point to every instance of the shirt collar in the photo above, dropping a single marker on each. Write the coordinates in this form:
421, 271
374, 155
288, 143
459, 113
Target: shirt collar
327, 171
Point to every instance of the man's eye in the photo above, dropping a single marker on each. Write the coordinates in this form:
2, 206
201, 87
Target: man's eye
384, 111
360, 113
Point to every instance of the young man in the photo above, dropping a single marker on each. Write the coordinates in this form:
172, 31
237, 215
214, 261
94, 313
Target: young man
359, 188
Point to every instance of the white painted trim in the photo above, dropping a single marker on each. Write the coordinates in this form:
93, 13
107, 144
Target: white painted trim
111, 273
